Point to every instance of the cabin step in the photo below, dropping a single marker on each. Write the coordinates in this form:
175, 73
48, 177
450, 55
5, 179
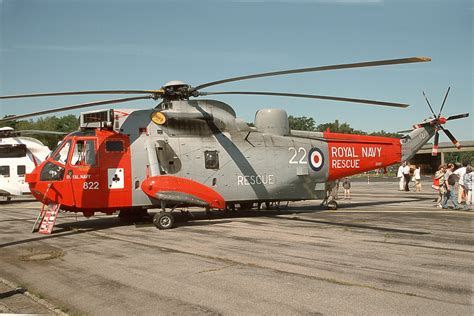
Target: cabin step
46, 219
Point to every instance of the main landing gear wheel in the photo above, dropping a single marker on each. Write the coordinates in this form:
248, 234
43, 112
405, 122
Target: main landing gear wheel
163, 220
332, 205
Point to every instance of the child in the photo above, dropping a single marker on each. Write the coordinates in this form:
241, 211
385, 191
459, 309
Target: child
346, 184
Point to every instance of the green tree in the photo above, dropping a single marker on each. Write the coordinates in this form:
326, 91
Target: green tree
302, 123
65, 124
336, 127
386, 134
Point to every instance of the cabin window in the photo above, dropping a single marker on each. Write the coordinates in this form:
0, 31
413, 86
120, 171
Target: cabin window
51, 171
5, 171
114, 146
211, 159
12, 151
84, 153
61, 155
21, 170
168, 159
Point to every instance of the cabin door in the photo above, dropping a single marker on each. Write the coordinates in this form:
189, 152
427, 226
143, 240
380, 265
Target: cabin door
84, 174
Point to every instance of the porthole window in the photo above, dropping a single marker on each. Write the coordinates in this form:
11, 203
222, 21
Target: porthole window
211, 158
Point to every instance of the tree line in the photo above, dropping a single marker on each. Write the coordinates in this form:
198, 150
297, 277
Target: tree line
67, 124
304, 123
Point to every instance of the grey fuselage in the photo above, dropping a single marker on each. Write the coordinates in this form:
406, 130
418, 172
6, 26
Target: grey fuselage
203, 141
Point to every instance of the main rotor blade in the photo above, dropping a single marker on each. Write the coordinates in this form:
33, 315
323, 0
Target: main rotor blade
442, 106
321, 68
53, 94
33, 131
458, 116
426, 98
451, 137
309, 96
75, 106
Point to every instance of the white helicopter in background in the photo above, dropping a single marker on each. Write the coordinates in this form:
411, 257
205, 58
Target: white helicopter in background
19, 155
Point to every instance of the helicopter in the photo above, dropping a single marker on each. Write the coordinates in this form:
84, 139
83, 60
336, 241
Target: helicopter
186, 152
19, 155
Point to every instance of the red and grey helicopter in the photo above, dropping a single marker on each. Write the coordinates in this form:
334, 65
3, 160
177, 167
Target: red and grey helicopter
186, 152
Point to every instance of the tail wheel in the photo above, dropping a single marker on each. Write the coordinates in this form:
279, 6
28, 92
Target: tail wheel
332, 205
163, 220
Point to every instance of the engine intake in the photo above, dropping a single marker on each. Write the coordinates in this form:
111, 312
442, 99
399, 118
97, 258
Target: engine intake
272, 121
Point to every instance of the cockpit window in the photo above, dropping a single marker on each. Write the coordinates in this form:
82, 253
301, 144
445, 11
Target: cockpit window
61, 155
84, 153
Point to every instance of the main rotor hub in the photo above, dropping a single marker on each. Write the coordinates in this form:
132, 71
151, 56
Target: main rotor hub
177, 90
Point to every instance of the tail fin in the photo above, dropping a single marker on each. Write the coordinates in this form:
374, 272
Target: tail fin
412, 142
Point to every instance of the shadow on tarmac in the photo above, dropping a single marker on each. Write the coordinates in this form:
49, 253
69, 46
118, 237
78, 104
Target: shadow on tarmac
200, 218
69, 229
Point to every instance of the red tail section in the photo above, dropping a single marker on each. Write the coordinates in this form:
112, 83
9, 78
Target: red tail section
352, 154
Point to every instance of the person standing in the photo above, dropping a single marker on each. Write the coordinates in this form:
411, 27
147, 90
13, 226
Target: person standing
417, 176
460, 172
468, 183
450, 186
438, 184
401, 183
406, 175
346, 184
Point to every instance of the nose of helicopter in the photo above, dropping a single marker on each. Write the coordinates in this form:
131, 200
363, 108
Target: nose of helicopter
32, 180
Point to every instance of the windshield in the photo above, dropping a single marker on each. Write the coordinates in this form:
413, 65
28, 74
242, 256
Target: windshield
61, 154
84, 153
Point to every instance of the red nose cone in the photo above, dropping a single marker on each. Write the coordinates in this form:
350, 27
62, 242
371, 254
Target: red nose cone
442, 120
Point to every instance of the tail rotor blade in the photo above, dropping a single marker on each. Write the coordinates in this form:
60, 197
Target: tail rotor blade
442, 106
426, 98
458, 116
452, 138
434, 151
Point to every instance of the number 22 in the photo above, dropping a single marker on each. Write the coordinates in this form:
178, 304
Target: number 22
297, 152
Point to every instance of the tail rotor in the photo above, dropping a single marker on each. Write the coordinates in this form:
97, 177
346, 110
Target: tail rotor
438, 122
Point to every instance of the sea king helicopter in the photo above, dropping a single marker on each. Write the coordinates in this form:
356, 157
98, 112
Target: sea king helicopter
185, 152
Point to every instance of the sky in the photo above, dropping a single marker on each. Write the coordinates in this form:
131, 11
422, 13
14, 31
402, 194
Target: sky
61, 45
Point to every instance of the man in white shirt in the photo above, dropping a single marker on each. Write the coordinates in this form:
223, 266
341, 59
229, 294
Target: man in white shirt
417, 177
460, 172
401, 183
406, 175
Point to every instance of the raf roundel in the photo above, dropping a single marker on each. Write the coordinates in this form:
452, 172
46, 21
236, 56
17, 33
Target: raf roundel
316, 159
